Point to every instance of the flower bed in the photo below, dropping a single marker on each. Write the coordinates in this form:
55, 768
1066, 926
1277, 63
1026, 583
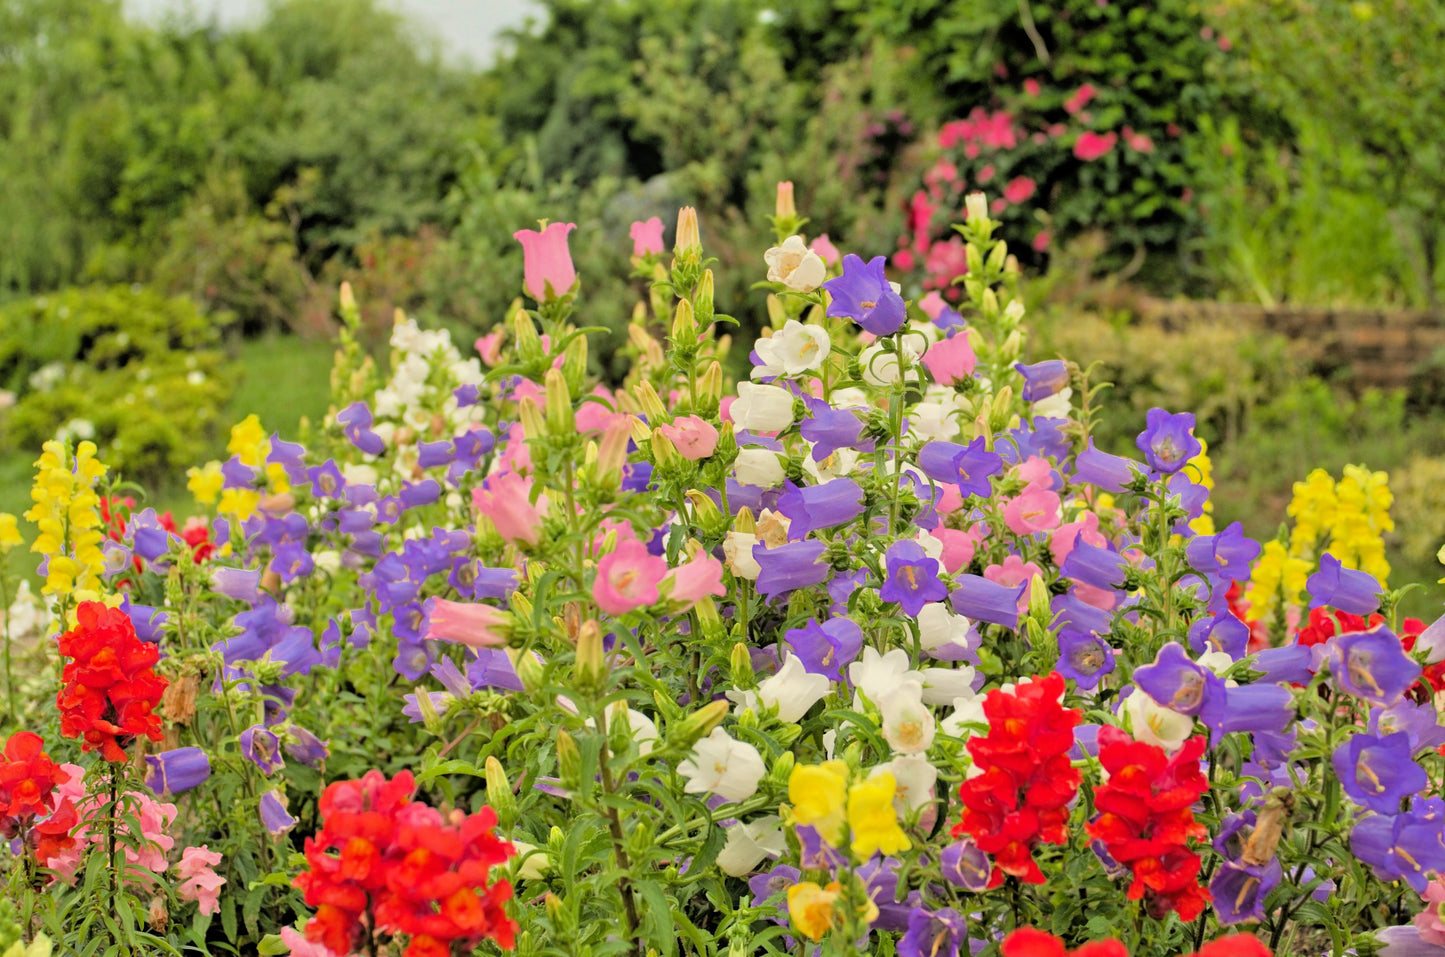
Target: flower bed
874, 652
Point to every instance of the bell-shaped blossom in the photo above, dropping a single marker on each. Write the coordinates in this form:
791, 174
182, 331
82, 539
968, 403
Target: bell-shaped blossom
467, 623
1347, 589
177, 770
950, 360
505, 499
795, 265
722, 765
827, 648
793, 690
982, 600
1408, 846
1035, 509
1112, 473
908, 723
964, 864
912, 578
814, 507
1371, 665
547, 267
758, 467
1043, 379
1168, 440
786, 568
1228, 554
1177, 683
694, 438
197, 881
1378, 772
762, 408
748, 844
1155, 724
647, 237
864, 295
792, 350
627, 578
830, 429
1084, 657
938, 627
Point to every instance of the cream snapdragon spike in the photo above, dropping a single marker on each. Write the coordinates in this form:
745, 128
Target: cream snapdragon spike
875, 639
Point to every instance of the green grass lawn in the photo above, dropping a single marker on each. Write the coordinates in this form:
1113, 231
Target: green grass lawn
282, 379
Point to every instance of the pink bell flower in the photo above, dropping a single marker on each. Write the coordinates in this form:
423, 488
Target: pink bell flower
695, 438
506, 501
547, 261
627, 578
468, 623
699, 577
647, 237
950, 360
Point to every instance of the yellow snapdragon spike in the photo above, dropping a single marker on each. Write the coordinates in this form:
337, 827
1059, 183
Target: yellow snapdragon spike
813, 909
873, 819
9, 531
276, 478
205, 483
249, 441
239, 502
817, 793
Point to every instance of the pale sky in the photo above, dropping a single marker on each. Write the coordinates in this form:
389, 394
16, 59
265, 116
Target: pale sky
468, 28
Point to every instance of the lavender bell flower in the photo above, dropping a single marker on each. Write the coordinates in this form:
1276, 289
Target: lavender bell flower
274, 815
939, 933
305, 747
770, 891
1084, 657
430, 455
1290, 664
1070, 612
1112, 473
965, 865
412, 660
1371, 665
1044, 438
355, 421
172, 772
1239, 892
147, 621
1223, 632
968, 466
1095, 565
816, 854
1377, 773
814, 507
1043, 379
1406, 846
291, 561
1249, 708
262, 748
1168, 440
827, 648
1228, 554
880, 882
982, 600
493, 669
1419, 722
1349, 590
864, 295
240, 584
326, 480
786, 568
912, 579
830, 429
290, 456
420, 493
1177, 683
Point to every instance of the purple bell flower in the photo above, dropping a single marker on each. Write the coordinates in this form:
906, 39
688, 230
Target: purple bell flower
880, 883
1349, 590
982, 600
827, 648
147, 621
172, 772
1095, 565
292, 561
830, 429
290, 456
274, 815
305, 747
1084, 657
326, 480
235, 474
1070, 612
1288, 664
1228, 554
968, 466
786, 568
1240, 891
1419, 722
912, 579
1043, 379
430, 455
814, 507
965, 865
1407, 846
939, 933
420, 493
1112, 473
1177, 683
262, 748
1222, 632
1168, 440
412, 660
863, 294
770, 891
1378, 772
1250, 708
493, 669
1371, 665
355, 421
816, 854
240, 584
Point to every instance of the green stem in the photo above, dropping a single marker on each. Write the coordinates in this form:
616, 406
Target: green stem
614, 830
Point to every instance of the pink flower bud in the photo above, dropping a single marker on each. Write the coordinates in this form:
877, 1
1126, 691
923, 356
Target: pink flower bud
546, 260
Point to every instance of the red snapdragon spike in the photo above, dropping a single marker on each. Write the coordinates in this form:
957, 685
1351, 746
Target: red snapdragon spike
384, 860
1028, 942
109, 689
1236, 945
1146, 819
1022, 796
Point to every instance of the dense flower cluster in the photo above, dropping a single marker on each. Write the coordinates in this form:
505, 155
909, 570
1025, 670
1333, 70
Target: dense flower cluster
67, 513
1146, 819
383, 862
1028, 780
109, 687
29, 807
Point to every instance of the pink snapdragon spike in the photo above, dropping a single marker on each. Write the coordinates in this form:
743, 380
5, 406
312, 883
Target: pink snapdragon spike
546, 260
695, 438
199, 882
627, 578
647, 237
467, 623
950, 360
506, 501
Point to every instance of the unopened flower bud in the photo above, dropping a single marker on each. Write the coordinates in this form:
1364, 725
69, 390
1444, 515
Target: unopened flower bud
1012, 347
976, 207
637, 333
988, 304
684, 327
574, 365
701, 722
648, 400
713, 628
591, 666
997, 256
785, 208
777, 315
688, 237
529, 344
1039, 597
782, 768
530, 414
740, 662
431, 719
499, 791
555, 908
744, 521
974, 259
709, 389
702, 298
612, 454
1002, 412
569, 759
560, 419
